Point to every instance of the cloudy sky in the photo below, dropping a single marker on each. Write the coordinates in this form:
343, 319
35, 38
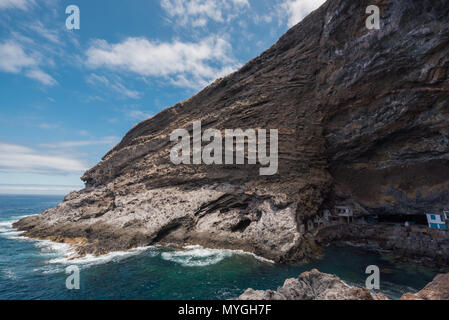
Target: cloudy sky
68, 96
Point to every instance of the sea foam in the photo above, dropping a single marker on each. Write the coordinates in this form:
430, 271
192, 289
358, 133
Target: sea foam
61, 254
198, 256
8, 232
91, 260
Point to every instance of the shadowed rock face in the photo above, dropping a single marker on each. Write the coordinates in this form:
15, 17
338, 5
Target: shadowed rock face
362, 117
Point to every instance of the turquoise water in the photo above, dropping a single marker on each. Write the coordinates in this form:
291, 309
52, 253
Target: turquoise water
36, 269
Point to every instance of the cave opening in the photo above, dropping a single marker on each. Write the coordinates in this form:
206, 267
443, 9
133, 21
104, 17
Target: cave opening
416, 219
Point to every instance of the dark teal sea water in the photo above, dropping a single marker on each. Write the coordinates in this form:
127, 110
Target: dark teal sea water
36, 269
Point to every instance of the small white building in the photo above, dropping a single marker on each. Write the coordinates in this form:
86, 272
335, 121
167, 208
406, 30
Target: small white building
438, 221
342, 214
343, 211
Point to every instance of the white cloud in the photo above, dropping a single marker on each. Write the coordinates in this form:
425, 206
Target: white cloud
197, 13
41, 76
82, 143
114, 85
14, 60
138, 115
298, 9
50, 35
186, 64
17, 4
83, 132
48, 126
37, 189
23, 159
264, 18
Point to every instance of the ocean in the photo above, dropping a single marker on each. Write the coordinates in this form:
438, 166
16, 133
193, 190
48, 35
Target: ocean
31, 269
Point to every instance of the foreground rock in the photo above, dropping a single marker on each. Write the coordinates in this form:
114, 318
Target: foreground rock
438, 289
313, 285
362, 118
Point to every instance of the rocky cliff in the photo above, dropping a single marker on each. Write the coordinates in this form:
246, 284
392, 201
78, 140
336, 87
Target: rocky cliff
362, 118
313, 285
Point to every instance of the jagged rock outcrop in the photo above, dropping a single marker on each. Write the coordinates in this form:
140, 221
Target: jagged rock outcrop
313, 285
362, 117
438, 289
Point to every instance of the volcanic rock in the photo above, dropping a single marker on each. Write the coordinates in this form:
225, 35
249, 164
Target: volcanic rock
438, 289
313, 285
362, 117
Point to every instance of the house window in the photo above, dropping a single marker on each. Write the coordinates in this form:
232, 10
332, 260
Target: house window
443, 226
434, 226
432, 217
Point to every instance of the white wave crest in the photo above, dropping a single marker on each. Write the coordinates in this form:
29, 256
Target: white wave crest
255, 256
6, 226
65, 254
197, 256
54, 249
6, 229
91, 260
8, 232
9, 274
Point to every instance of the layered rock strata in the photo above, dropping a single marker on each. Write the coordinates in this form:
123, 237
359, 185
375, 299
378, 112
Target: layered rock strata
362, 117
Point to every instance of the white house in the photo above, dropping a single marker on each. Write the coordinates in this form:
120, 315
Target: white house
438, 221
342, 213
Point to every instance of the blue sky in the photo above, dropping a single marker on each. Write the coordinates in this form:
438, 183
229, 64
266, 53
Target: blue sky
68, 96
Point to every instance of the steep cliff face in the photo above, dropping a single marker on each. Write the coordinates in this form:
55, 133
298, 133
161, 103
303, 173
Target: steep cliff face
386, 99
362, 118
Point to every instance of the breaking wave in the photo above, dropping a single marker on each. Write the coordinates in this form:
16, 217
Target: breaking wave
7, 231
91, 260
60, 255
6, 226
197, 256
